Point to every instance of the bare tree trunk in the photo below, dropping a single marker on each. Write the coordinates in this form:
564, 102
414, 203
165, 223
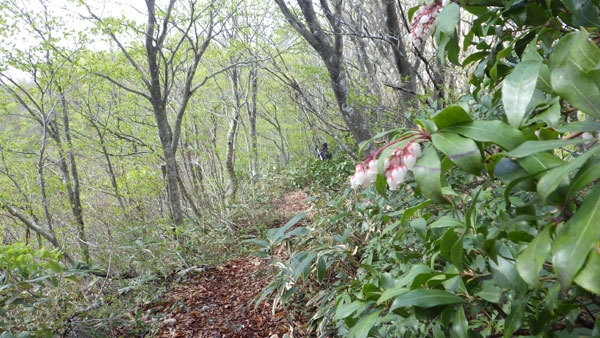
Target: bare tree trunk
331, 51
163, 73
74, 192
252, 113
231, 134
407, 95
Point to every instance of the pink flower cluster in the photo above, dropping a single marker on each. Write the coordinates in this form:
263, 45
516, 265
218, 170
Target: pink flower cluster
395, 167
423, 21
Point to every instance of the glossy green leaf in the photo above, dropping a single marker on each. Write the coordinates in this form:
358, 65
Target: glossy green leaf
391, 293
508, 170
517, 91
490, 291
578, 88
460, 150
587, 174
456, 254
447, 242
426, 298
409, 277
450, 116
537, 163
529, 263
589, 277
446, 222
552, 114
496, 132
553, 178
531, 147
364, 325
506, 275
347, 310
448, 18
427, 172
460, 325
576, 238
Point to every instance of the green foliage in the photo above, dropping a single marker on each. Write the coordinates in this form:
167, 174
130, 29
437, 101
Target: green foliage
499, 235
321, 175
29, 279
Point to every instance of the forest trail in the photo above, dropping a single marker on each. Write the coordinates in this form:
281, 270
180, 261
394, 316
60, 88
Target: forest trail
217, 301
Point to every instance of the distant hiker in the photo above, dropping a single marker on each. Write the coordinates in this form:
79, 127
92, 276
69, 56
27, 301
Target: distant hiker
324, 153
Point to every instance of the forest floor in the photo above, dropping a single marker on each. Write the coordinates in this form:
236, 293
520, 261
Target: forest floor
217, 301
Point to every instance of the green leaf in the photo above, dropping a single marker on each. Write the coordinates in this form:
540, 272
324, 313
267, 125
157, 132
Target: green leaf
490, 291
451, 116
409, 212
508, 170
578, 88
505, 274
446, 222
553, 178
426, 298
391, 293
321, 267
448, 18
347, 310
531, 147
589, 277
552, 114
460, 150
456, 254
277, 234
587, 174
576, 238
460, 325
531, 260
427, 172
364, 325
517, 91
514, 320
447, 242
578, 126
364, 144
540, 162
496, 132
409, 277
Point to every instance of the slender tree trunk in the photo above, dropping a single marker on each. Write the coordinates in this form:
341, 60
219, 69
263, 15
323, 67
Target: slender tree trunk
252, 113
160, 114
407, 96
231, 134
71, 179
331, 51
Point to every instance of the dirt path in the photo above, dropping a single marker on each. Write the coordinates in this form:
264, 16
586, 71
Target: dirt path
216, 301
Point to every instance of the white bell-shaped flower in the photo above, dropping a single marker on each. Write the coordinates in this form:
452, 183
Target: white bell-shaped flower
415, 149
399, 174
392, 184
409, 161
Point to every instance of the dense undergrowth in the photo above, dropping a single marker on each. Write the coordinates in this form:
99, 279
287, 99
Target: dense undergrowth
494, 231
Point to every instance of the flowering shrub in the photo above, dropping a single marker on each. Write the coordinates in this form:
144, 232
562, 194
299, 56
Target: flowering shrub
499, 234
395, 167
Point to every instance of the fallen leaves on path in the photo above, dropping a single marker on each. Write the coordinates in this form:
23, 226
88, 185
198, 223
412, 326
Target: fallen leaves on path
217, 303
